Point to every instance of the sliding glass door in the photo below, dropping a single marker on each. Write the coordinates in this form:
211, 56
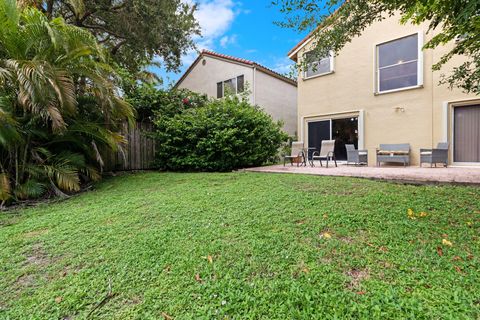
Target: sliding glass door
317, 132
343, 131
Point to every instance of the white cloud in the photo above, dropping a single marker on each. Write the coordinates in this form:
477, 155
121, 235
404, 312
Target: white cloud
225, 41
283, 65
215, 18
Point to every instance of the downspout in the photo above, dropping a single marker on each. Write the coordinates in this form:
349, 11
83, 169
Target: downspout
254, 84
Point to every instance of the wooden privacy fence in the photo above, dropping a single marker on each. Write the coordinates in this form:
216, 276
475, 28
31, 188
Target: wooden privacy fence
138, 154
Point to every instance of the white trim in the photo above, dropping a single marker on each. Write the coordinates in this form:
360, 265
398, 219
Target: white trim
445, 121
376, 78
420, 58
331, 63
318, 75
291, 55
339, 113
397, 90
331, 129
361, 129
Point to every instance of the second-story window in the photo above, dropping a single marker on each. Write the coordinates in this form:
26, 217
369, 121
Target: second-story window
399, 64
316, 67
231, 86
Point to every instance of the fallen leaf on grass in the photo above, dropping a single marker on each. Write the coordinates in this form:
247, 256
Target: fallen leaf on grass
210, 259
58, 299
382, 248
459, 270
166, 316
410, 213
469, 223
447, 243
197, 278
360, 292
326, 235
440, 251
456, 258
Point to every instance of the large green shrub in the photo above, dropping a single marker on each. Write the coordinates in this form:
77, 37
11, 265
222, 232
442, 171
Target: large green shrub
219, 136
148, 100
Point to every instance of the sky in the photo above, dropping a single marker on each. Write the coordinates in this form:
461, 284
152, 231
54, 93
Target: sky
243, 29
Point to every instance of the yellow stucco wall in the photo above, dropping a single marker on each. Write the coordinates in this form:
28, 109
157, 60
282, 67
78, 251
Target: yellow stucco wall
414, 116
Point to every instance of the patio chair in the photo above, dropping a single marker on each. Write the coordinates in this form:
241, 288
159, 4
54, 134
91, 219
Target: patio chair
434, 156
327, 152
356, 157
296, 155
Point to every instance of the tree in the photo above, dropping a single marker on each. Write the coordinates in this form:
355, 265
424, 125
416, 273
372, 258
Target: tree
58, 107
134, 31
334, 23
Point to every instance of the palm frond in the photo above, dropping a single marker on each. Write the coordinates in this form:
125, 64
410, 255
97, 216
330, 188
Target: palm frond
8, 129
30, 189
91, 172
64, 176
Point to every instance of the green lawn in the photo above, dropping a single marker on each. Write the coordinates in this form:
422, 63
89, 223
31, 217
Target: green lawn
244, 246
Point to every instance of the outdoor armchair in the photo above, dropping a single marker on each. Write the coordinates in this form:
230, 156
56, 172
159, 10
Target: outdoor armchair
356, 156
434, 156
327, 152
296, 155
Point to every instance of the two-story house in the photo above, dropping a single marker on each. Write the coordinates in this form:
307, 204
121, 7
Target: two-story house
217, 75
380, 88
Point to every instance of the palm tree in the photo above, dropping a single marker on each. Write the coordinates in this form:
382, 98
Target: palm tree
58, 104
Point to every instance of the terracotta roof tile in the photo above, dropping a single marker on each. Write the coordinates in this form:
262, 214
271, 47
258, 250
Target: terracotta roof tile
238, 60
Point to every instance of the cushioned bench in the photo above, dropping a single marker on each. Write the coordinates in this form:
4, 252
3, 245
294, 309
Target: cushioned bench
394, 153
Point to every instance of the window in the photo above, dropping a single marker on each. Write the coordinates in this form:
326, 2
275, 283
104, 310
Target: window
231, 86
315, 68
399, 64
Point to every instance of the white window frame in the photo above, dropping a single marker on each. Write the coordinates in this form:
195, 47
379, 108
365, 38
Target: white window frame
223, 86
376, 80
332, 68
236, 85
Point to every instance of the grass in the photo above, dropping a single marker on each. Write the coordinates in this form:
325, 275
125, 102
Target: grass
244, 245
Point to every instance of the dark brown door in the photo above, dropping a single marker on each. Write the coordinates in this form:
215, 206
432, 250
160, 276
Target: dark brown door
467, 134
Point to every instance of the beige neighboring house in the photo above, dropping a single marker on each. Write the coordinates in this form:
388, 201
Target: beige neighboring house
380, 88
215, 74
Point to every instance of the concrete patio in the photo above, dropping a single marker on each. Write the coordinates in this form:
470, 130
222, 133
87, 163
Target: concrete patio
417, 175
